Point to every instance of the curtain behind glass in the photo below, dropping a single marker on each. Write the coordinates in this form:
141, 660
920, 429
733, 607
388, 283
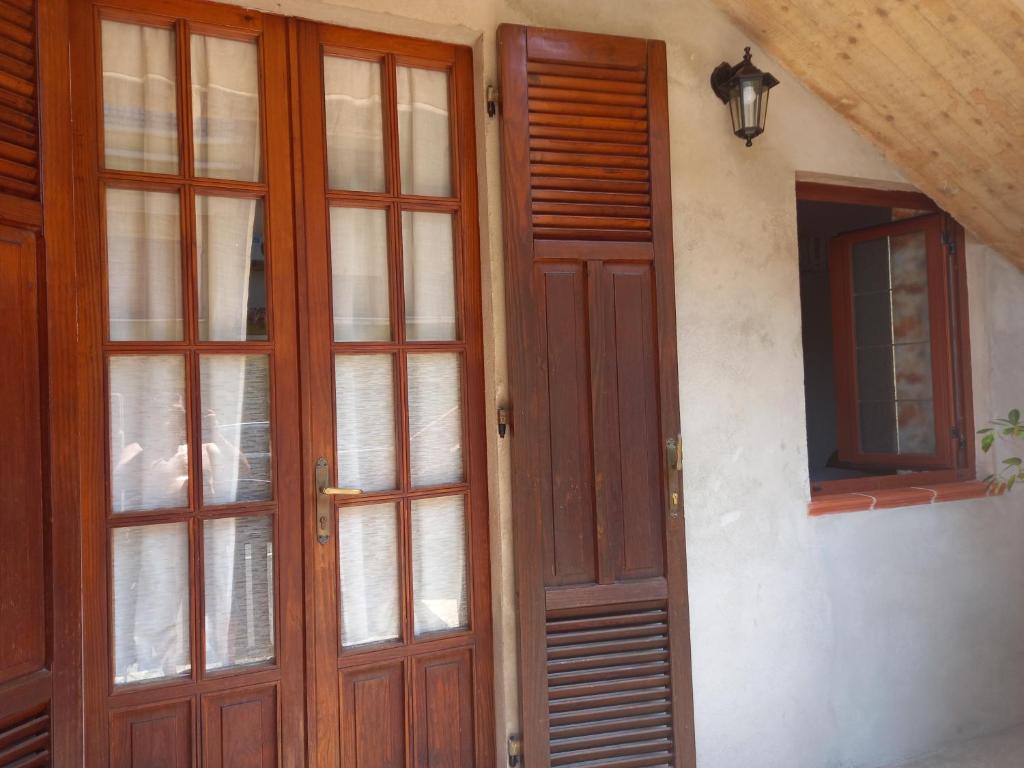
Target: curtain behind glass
225, 106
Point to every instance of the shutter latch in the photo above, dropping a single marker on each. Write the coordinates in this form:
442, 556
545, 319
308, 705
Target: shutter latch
493, 101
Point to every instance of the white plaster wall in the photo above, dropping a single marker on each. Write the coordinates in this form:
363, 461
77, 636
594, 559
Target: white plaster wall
844, 642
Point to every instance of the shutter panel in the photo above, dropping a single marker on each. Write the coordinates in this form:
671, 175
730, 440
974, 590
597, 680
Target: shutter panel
19, 169
597, 514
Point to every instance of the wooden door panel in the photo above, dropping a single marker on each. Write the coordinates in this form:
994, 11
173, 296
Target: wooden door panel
603, 624
22, 610
152, 737
635, 456
443, 711
569, 545
373, 717
240, 729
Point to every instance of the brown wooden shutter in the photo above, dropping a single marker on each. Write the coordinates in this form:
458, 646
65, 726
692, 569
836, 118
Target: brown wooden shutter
39, 545
600, 552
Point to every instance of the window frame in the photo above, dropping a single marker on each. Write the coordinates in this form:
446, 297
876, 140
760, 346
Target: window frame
954, 460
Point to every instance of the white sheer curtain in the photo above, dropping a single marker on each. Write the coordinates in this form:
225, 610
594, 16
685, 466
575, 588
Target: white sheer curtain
144, 265
226, 108
355, 133
429, 267
150, 471
139, 101
424, 139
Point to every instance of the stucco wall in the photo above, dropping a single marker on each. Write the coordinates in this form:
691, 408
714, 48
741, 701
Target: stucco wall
849, 641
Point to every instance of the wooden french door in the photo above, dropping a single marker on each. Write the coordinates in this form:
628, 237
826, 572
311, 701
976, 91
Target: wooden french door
596, 453
285, 557
401, 603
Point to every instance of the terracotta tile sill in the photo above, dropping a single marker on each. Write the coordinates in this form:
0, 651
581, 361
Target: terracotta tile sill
837, 503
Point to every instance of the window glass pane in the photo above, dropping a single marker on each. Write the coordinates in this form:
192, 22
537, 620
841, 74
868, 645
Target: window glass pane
232, 266
140, 105
235, 391
144, 265
148, 446
878, 427
359, 274
916, 420
424, 140
435, 418
355, 134
365, 413
439, 564
429, 266
891, 318
369, 567
226, 108
238, 591
151, 607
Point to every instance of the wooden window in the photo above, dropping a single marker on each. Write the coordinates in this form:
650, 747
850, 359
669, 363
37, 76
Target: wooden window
897, 411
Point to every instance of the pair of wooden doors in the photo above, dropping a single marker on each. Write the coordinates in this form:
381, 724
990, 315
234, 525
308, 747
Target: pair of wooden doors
286, 551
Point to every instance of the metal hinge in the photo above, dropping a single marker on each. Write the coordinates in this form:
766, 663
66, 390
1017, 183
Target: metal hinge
515, 751
504, 420
959, 436
493, 101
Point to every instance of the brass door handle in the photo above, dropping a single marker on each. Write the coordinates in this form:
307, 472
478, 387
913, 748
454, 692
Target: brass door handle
324, 492
329, 490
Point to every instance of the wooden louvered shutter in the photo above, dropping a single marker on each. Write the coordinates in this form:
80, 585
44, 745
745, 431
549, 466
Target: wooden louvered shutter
600, 552
39, 586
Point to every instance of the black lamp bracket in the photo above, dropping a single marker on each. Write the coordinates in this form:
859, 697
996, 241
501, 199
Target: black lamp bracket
725, 72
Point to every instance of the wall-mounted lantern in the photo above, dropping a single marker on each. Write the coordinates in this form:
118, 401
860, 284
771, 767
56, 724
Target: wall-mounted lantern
744, 88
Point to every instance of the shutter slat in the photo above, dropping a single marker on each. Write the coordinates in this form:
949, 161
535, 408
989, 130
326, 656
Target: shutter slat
573, 70
19, 133
583, 83
25, 740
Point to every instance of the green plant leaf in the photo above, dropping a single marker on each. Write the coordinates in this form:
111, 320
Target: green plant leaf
985, 431
1013, 462
986, 442
1014, 416
1010, 482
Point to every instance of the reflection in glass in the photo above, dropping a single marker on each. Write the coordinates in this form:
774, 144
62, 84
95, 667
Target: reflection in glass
148, 445
439, 564
435, 419
144, 265
235, 391
359, 274
232, 269
355, 134
238, 591
368, 570
365, 428
226, 108
140, 106
891, 320
424, 140
429, 266
151, 604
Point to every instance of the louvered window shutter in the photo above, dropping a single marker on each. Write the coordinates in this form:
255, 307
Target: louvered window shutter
597, 509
